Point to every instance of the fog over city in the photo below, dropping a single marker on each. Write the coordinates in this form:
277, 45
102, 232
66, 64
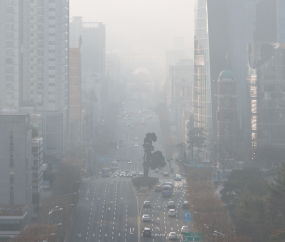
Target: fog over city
140, 24
142, 121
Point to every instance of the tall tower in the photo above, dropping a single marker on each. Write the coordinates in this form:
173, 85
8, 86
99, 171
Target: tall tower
226, 116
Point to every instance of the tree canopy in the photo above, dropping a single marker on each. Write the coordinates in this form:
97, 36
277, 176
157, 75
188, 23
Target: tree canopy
151, 159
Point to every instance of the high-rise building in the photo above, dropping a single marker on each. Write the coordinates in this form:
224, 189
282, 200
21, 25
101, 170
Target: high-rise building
34, 52
181, 82
266, 81
93, 55
15, 172
75, 94
222, 30
210, 51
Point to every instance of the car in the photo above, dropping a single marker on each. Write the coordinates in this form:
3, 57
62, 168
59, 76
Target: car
129, 175
172, 213
158, 188
147, 204
145, 218
134, 173
122, 174
141, 174
136, 145
136, 138
146, 232
156, 170
170, 204
129, 162
177, 177
185, 204
185, 229
172, 236
165, 173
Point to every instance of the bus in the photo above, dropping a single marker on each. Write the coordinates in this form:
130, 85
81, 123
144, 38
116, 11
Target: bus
167, 191
105, 172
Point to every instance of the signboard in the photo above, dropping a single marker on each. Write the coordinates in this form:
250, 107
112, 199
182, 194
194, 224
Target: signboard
188, 217
103, 160
192, 237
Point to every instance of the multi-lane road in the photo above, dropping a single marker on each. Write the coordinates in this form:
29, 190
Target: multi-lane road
108, 208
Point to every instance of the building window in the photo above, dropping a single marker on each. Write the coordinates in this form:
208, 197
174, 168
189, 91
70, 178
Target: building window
9, 2
9, 44
9, 18
40, 44
9, 61
9, 27
9, 35
51, 101
9, 10
9, 52
40, 61
9, 69
51, 67
40, 27
40, 69
51, 84
40, 11
40, 19
40, 36
40, 77
40, 53
9, 86
9, 78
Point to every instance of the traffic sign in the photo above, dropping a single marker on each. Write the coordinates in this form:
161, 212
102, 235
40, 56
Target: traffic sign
188, 217
192, 237
103, 160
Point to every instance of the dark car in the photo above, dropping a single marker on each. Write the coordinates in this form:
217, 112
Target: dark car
146, 232
146, 204
158, 188
185, 204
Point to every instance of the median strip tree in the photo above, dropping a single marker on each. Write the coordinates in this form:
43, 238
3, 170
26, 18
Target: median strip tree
151, 159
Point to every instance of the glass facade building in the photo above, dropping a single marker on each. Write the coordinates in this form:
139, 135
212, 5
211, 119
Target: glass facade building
223, 28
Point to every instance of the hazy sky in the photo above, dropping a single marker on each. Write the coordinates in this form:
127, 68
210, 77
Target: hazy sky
149, 24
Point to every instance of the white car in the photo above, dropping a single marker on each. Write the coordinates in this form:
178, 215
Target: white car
172, 236
129, 162
122, 174
185, 229
136, 145
172, 213
145, 218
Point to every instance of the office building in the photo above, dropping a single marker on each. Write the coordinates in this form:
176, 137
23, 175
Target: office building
93, 55
222, 30
226, 118
266, 82
210, 51
75, 94
34, 52
15, 172
181, 82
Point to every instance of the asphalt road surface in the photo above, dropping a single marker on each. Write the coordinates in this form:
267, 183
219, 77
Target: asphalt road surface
108, 207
